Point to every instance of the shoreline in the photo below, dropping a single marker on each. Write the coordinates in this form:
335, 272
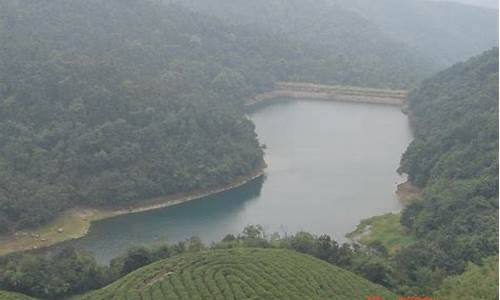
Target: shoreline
407, 193
386, 228
75, 223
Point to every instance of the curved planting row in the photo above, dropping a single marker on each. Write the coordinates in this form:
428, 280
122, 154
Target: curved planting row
240, 274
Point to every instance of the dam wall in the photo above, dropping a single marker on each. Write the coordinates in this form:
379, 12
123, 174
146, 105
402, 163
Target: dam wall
297, 90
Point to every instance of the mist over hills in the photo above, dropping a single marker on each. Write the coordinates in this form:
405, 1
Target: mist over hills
440, 32
354, 43
446, 32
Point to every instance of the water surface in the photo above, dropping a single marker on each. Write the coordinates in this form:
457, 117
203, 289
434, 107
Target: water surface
331, 165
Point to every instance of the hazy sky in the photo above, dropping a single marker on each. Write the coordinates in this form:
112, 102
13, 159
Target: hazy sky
484, 3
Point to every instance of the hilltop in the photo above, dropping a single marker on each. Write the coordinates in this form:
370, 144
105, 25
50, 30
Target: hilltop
351, 49
240, 273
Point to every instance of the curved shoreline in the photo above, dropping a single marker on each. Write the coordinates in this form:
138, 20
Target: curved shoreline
75, 223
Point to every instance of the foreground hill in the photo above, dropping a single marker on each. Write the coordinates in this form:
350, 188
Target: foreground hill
240, 274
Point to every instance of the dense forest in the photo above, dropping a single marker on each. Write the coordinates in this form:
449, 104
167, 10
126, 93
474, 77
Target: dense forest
454, 158
368, 32
345, 41
101, 105
107, 102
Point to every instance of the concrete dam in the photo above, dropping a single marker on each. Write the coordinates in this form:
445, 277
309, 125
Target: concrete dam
298, 90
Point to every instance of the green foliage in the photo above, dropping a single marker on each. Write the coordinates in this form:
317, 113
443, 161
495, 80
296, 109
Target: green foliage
13, 296
476, 283
385, 229
242, 273
342, 47
51, 277
109, 102
454, 157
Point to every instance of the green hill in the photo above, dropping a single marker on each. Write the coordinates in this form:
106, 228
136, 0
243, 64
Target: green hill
13, 296
454, 159
350, 49
241, 274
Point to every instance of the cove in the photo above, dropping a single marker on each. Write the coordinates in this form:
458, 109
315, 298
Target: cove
330, 165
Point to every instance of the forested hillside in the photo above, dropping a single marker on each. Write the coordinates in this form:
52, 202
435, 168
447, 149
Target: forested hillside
108, 102
105, 102
340, 41
454, 158
445, 31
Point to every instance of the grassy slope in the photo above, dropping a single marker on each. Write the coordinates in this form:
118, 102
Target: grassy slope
385, 228
13, 296
241, 274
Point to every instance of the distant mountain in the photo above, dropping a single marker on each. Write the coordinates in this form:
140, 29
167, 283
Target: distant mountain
361, 51
444, 31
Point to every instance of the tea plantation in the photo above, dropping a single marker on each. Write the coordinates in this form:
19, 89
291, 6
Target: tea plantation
240, 274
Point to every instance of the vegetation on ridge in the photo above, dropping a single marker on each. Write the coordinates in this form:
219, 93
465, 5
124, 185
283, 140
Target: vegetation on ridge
454, 158
343, 48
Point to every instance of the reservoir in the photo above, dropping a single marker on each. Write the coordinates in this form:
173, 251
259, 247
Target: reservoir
330, 165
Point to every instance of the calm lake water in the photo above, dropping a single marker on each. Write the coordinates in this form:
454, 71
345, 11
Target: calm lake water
331, 165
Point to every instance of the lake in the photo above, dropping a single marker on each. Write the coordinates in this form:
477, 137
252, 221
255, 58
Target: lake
330, 165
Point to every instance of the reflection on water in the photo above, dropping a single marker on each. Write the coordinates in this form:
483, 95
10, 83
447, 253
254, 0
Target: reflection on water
330, 165
171, 224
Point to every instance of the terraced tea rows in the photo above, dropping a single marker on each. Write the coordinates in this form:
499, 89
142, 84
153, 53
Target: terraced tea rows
240, 274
